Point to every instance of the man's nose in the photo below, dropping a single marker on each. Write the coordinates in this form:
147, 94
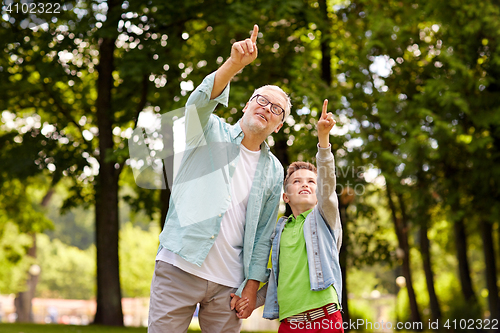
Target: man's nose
268, 107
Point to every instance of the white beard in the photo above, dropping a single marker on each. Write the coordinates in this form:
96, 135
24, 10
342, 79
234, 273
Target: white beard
253, 125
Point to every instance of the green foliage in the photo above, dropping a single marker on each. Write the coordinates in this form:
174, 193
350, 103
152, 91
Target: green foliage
402, 309
362, 309
66, 271
20, 203
464, 310
13, 261
69, 272
366, 279
72, 226
430, 122
371, 231
138, 249
21, 215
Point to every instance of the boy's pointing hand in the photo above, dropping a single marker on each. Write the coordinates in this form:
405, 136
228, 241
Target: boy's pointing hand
325, 124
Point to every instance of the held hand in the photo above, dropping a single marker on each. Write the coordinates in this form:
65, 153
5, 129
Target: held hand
234, 300
245, 51
238, 304
248, 301
325, 124
242, 304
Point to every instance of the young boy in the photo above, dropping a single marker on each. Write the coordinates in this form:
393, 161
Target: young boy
305, 285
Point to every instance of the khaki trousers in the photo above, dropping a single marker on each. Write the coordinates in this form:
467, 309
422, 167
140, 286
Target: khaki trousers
174, 295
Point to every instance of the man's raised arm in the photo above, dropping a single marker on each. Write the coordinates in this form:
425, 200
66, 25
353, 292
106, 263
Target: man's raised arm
242, 53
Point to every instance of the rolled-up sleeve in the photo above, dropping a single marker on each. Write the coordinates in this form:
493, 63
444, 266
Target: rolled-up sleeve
200, 98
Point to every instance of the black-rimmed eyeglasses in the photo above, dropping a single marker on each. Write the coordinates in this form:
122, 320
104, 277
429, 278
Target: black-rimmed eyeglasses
275, 109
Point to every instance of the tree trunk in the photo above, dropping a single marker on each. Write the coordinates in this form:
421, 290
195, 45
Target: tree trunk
168, 170
495, 133
164, 204
281, 152
109, 306
491, 271
23, 299
463, 262
326, 57
343, 263
429, 275
402, 235
424, 204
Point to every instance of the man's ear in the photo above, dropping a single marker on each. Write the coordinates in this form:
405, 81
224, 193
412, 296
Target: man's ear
278, 128
245, 108
285, 198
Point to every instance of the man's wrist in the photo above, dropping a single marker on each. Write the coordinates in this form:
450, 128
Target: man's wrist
233, 66
223, 76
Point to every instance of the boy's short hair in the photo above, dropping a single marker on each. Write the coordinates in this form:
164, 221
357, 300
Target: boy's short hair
298, 166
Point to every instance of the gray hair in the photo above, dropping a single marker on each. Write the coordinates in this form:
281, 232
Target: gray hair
288, 106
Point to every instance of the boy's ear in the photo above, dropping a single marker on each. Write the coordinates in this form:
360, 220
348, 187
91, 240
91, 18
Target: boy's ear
285, 198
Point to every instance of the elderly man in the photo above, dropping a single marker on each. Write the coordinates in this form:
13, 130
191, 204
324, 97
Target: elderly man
216, 238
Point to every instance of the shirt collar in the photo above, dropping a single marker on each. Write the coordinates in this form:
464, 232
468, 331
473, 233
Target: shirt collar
302, 216
236, 132
238, 135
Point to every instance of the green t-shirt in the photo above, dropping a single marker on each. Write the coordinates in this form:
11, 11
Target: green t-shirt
294, 288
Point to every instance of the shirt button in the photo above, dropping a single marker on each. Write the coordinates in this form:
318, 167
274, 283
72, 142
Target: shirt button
212, 237
220, 215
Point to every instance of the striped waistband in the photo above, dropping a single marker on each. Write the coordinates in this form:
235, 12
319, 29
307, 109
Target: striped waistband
313, 314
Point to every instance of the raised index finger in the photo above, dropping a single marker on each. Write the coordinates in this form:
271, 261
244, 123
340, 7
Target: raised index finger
325, 107
255, 33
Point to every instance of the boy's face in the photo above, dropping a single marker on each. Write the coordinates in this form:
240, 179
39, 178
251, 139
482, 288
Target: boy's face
300, 191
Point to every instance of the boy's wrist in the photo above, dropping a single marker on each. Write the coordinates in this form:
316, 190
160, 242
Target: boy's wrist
323, 141
252, 285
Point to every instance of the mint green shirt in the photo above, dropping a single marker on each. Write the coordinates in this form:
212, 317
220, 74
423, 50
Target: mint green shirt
193, 237
294, 288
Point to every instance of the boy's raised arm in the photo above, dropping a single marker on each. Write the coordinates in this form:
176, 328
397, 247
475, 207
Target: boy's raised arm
327, 197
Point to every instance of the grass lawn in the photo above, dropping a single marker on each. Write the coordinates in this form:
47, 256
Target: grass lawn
37, 328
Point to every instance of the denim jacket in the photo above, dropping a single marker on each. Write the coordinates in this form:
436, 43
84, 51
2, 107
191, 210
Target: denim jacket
208, 197
323, 236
